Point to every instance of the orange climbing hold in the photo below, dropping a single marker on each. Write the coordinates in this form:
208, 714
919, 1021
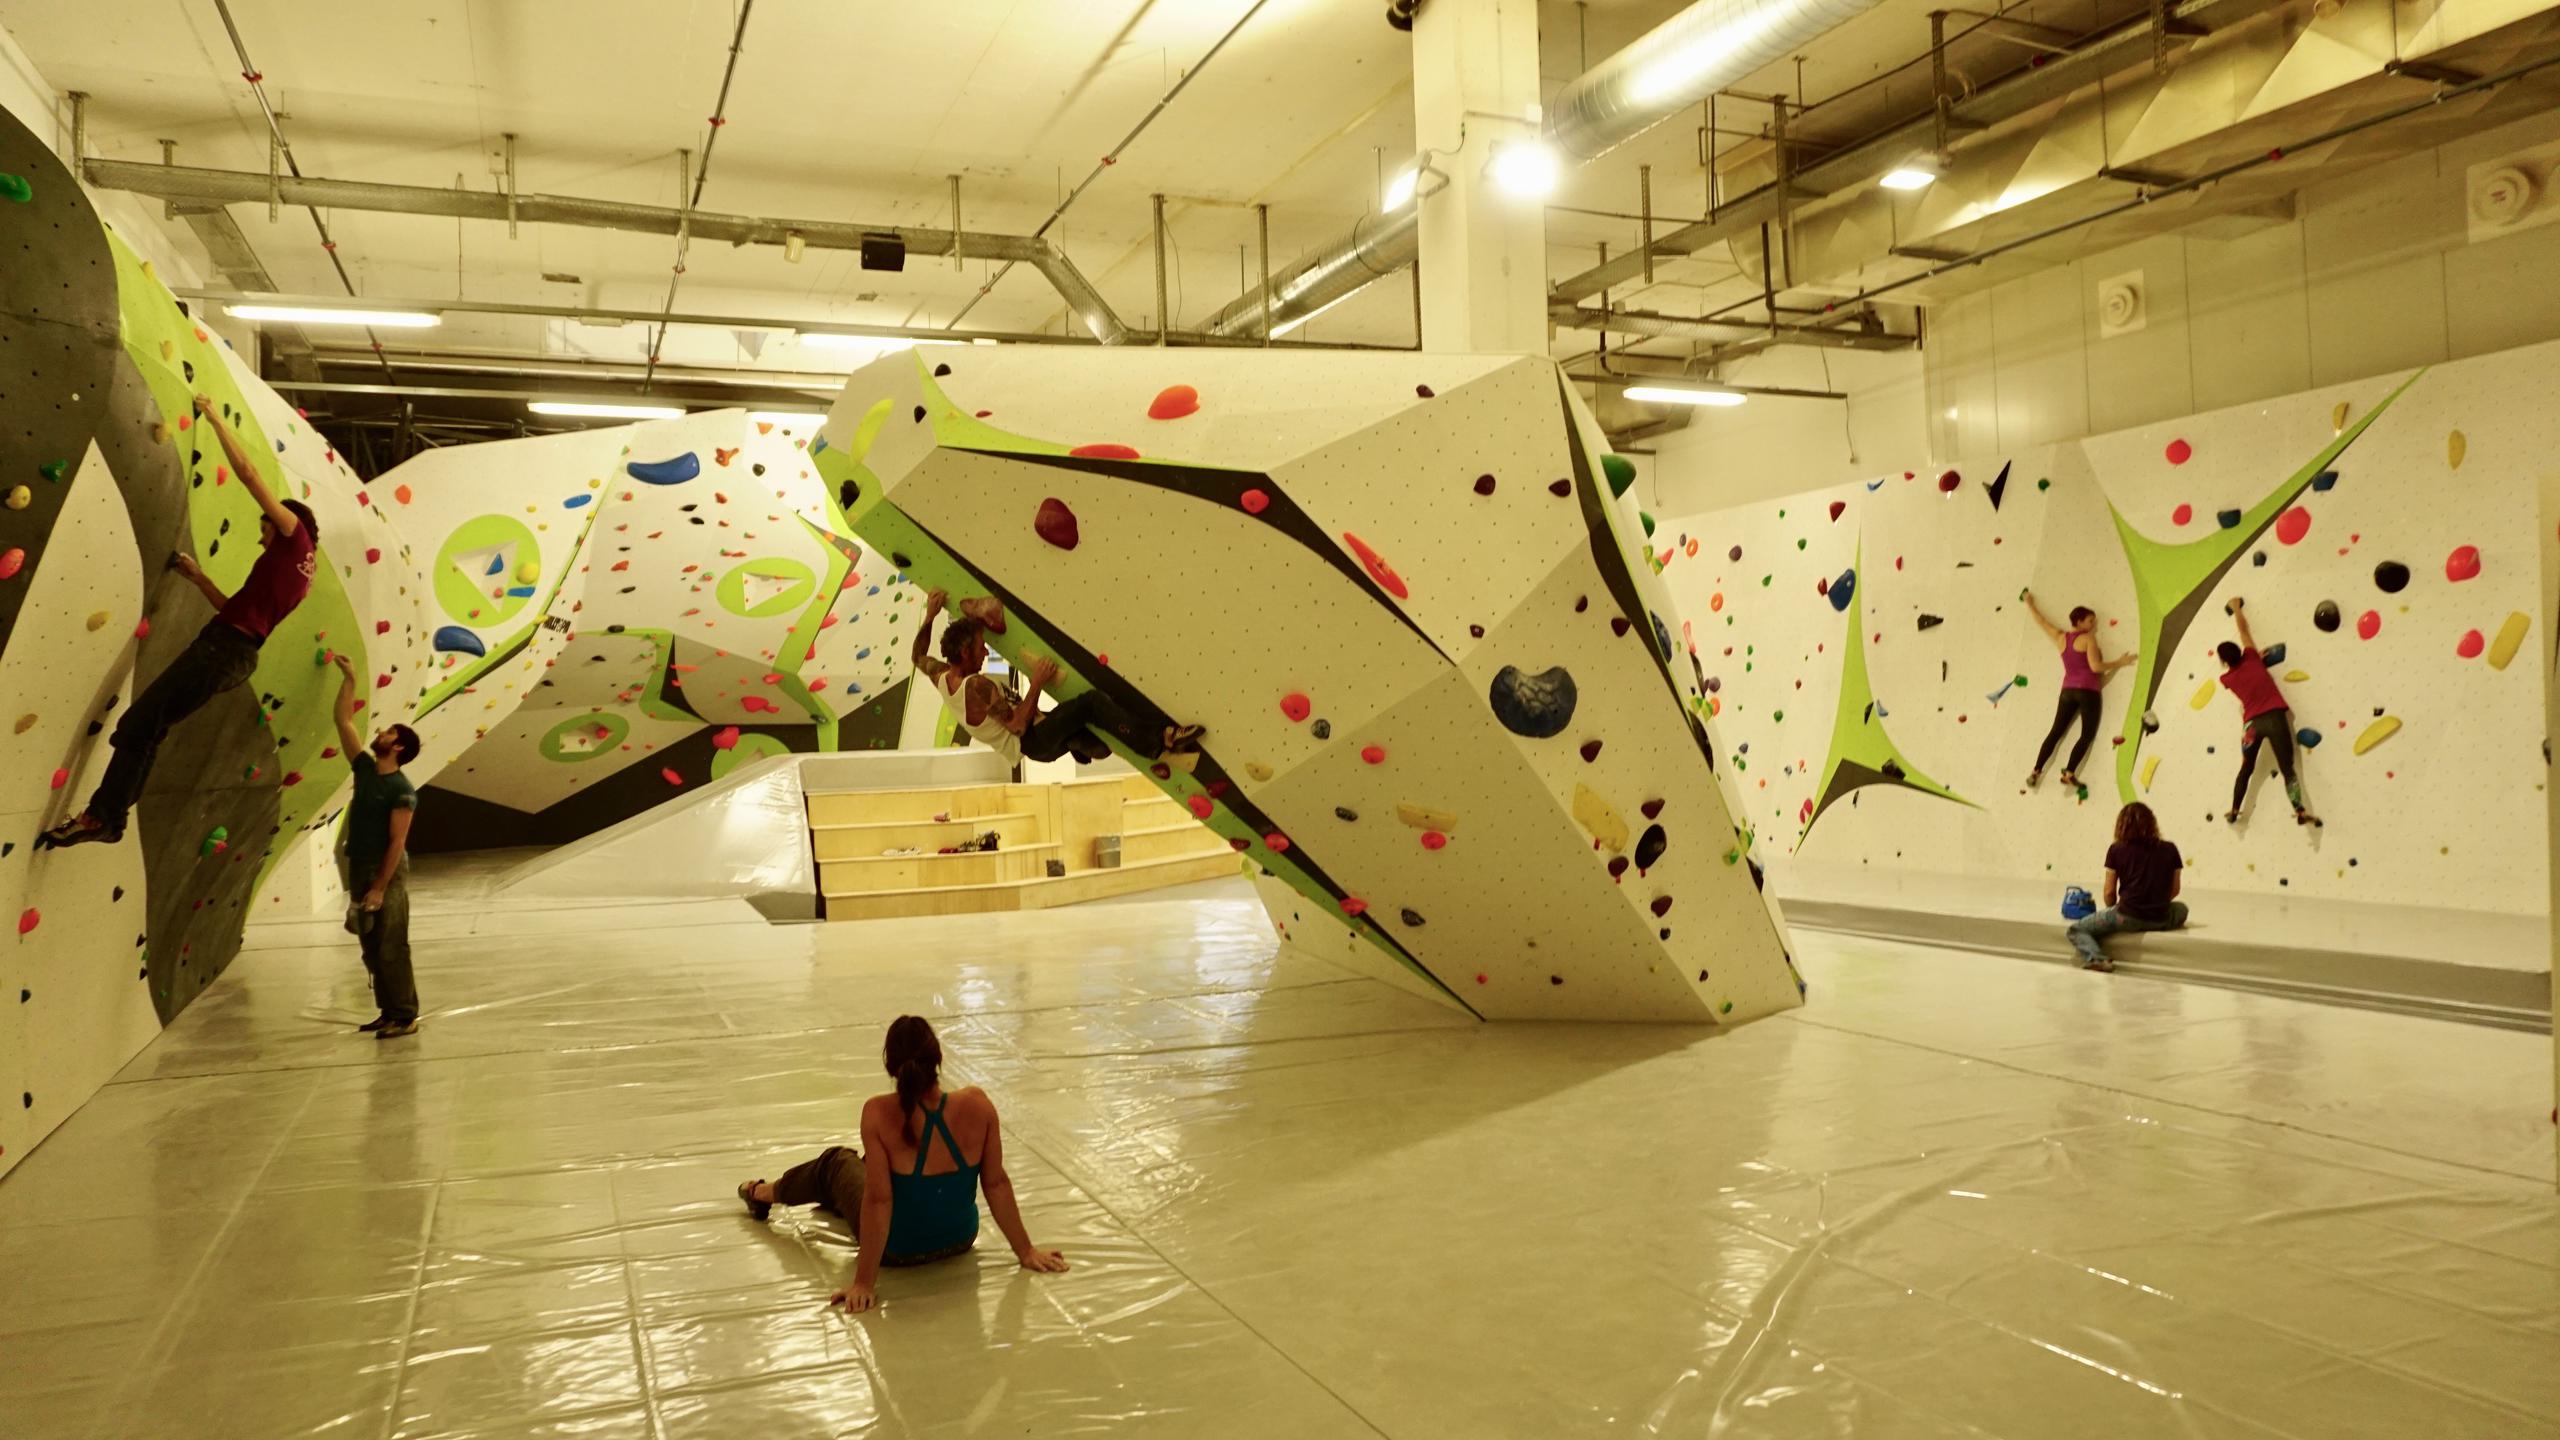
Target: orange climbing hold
1173, 402
1379, 569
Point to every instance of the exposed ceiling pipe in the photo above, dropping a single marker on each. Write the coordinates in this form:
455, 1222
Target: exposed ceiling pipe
701, 177
184, 183
607, 315
1676, 65
1684, 327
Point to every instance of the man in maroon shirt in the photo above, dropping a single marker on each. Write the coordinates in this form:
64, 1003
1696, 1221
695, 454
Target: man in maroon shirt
221, 657
2264, 719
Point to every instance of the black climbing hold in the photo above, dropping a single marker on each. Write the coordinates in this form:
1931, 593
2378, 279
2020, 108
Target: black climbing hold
1344, 812
1536, 706
2325, 615
1560, 488
1661, 632
1410, 916
1650, 845
2390, 577
1998, 487
1484, 484
1555, 979
2324, 480
1590, 751
1581, 603
901, 561
1892, 771
847, 494
1661, 906
1322, 729
1423, 392
2227, 519
941, 370
1475, 632
2259, 558
1932, 622
919, 414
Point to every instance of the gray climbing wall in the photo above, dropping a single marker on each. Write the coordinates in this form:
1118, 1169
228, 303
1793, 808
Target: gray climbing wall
1398, 592
2378, 531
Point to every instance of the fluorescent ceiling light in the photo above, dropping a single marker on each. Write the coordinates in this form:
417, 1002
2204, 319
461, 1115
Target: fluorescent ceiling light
1525, 168
883, 344
585, 411
1400, 188
323, 315
1684, 395
1908, 178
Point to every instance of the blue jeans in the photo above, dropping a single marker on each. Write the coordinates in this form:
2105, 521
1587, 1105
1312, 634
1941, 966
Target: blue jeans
2089, 930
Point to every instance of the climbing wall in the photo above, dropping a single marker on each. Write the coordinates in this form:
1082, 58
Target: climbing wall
1884, 689
1441, 704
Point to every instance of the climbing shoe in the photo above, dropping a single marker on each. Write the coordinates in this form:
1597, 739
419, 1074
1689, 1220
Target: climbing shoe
78, 831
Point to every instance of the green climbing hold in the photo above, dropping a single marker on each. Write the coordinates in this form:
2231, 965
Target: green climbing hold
1621, 472
1648, 523
2044, 484
53, 470
16, 187
2019, 683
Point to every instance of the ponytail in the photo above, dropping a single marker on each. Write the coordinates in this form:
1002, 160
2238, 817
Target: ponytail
912, 1054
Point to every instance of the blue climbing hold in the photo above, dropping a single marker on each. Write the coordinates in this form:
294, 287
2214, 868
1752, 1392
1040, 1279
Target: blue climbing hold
2308, 738
1537, 706
497, 565
2324, 480
862, 654
575, 502
460, 641
1842, 589
2227, 519
2273, 654
520, 591
666, 472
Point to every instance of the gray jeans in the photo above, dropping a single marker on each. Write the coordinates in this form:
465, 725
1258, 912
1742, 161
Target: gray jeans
2088, 931
383, 935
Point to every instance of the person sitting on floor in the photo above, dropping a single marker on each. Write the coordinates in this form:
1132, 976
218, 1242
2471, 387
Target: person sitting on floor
2143, 875
911, 1201
1016, 729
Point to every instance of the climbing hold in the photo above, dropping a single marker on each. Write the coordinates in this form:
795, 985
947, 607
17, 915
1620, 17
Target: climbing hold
669, 775
1590, 751
216, 842
1056, 523
2150, 768
1647, 521
2470, 645
404, 494
1373, 754
2150, 722
2325, 481
19, 497
456, 639
2180, 452
2390, 577
2325, 615
1296, 706
1173, 402
1932, 622
1354, 906
26, 723
1201, 808
2273, 654
12, 560
1410, 916
1276, 842
2203, 697
1346, 814
1257, 770
2377, 732
1254, 502
2258, 558
2307, 737
2510, 635
1998, 488
2292, 525
1594, 813
1560, 488
1379, 570
2455, 447
1661, 906
1322, 729
673, 471
1104, 451
2368, 625
29, 918
1948, 481
575, 501
2464, 563
20, 190
2227, 519
725, 738
1649, 848
1422, 817
1620, 471
2182, 514
1842, 589
1536, 706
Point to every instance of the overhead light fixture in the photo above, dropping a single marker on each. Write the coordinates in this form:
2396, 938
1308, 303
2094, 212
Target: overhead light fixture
785, 417
794, 245
1527, 169
325, 315
1685, 395
584, 410
878, 344
1908, 177
1408, 183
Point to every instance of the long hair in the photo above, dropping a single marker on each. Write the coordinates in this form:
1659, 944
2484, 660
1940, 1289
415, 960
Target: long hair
2135, 824
912, 1054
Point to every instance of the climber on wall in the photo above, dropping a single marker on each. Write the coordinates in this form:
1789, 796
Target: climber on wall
1016, 729
2264, 718
2143, 878
2084, 674
223, 655
373, 856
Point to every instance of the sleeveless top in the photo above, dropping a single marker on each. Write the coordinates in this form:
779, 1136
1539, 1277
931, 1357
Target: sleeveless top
989, 732
932, 1214
2077, 673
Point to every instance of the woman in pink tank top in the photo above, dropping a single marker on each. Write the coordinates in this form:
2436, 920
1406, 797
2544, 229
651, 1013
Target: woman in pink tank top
2084, 674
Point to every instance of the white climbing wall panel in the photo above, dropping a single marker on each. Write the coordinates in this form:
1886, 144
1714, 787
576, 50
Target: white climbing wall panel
2444, 809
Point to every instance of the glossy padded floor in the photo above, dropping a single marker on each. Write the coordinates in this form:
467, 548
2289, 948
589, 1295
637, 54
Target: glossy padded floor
1959, 1196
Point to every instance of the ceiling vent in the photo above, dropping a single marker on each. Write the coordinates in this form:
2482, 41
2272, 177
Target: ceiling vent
2510, 193
2121, 307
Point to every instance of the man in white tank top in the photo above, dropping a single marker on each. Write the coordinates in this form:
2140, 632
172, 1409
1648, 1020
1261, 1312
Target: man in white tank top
1016, 729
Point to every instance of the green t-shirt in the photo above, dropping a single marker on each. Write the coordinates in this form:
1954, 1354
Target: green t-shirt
369, 813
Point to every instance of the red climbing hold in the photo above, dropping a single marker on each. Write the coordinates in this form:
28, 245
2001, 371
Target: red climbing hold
1434, 840
1254, 502
142, 628
29, 919
1103, 452
1277, 841
2463, 564
381, 627
1296, 706
1651, 808
1056, 523
2470, 646
2180, 452
1379, 570
1200, 807
1839, 508
1590, 750
373, 555
670, 776
2368, 625
2292, 525
60, 779
2182, 514
1661, 905
1948, 481
725, 738
12, 560
1374, 754
1354, 906
1173, 402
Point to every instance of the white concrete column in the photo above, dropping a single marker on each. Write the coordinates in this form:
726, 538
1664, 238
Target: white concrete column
1484, 252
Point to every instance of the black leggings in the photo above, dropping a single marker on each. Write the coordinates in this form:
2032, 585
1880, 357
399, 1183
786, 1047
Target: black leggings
218, 659
1068, 729
2082, 705
2275, 728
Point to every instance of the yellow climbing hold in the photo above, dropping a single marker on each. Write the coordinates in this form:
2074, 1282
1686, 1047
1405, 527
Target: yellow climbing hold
2204, 696
26, 722
98, 620
2338, 416
529, 571
2510, 635
1257, 770
2377, 732
2296, 677
2150, 768
1423, 817
20, 497
2455, 447
168, 348
1597, 816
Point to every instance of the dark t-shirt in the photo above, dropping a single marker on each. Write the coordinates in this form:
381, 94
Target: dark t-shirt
277, 582
2146, 872
2255, 688
369, 814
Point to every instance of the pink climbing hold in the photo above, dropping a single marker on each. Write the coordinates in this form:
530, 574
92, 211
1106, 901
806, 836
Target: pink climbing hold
2180, 452
2292, 525
1296, 706
1173, 402
725, 738
2182, 514
1374, 754
12, 560
1103, 452
1379, 570
1056, 524
29, 919
1201, 809
2368, 625
1254, 502
2463, 564
2470, 645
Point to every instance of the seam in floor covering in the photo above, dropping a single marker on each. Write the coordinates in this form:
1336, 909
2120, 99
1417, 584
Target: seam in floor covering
1799, 1017
409, 1323
642, 1359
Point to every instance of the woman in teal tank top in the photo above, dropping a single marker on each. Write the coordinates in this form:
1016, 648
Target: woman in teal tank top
911, 1191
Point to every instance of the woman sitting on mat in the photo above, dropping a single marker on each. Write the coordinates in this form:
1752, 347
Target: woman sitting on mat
2143, 879
911, 1200
2084, 673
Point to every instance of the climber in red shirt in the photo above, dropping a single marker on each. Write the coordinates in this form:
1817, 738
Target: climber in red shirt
2264, 719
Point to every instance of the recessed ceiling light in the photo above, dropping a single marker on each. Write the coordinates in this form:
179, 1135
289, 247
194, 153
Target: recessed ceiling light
1685, 395
584, 410
1908, 178
324, 315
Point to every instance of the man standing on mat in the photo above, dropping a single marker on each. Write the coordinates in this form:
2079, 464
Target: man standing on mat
221, 657
2264, 719
374, 857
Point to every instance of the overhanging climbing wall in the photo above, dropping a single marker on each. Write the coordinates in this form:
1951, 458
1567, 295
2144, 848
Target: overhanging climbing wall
2378, 531
1440, 700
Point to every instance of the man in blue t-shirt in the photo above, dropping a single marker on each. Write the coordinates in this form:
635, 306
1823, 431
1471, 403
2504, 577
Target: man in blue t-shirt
374, 857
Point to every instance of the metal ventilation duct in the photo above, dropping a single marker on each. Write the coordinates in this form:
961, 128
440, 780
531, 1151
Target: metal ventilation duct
1676, 65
